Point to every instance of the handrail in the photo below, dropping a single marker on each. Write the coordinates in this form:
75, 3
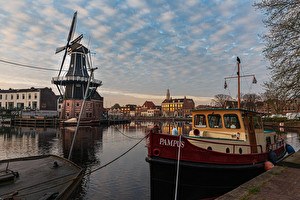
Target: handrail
233, 145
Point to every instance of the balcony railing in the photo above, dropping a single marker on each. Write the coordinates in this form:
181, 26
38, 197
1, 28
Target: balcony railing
75, 78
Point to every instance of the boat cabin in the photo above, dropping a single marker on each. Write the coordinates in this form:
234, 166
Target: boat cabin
235, 126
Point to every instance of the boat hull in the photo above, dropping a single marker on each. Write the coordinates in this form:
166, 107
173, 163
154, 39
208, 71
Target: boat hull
196, 180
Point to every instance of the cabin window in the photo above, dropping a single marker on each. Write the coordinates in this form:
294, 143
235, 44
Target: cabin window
231, 121
199, 121
257, 122
215, 121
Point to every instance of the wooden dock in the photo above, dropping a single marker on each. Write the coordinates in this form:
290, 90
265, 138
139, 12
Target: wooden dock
35, 122
281, 182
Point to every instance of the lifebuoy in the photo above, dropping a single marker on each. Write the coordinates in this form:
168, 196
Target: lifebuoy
156, 152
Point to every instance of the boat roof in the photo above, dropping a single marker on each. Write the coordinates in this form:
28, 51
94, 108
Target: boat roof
224, 110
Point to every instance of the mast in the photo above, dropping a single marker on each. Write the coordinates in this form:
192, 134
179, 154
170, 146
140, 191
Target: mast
239, 81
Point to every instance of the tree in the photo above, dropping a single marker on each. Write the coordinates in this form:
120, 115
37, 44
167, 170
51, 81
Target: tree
116, 106
276, 100
283, 44
220, 100
249, 101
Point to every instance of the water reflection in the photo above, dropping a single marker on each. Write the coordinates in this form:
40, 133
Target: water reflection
87, 143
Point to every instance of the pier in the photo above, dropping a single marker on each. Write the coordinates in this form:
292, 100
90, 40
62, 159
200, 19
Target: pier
281, 182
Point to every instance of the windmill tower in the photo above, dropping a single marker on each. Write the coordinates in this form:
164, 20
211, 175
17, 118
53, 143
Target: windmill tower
73, 85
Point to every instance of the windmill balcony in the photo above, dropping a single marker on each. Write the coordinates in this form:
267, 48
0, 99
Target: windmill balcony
74, 79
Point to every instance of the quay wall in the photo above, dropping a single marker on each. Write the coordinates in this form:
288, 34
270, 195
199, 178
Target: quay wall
281, 182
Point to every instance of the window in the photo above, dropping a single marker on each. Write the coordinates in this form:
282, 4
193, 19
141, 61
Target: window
18, 96
23, 96
199, 121
11, 96
231, 121
257, 122
0, 96
35, 95
29, 96
215, 121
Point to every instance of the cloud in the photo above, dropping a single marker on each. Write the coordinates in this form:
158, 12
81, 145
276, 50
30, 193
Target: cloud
140, 47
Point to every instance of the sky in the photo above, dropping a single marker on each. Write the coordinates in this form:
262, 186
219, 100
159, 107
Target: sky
141, 48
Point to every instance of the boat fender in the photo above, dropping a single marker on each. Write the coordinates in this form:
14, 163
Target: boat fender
289, 149
272, 157
156, 152
268, 165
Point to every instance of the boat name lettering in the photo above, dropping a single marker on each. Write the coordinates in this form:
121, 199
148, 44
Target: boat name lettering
172, 143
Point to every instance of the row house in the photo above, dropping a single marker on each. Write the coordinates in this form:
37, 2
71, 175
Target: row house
31, 99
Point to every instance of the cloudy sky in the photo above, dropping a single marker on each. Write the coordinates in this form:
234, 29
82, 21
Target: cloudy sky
141, 48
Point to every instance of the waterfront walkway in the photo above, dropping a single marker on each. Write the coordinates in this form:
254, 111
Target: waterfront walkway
281, 182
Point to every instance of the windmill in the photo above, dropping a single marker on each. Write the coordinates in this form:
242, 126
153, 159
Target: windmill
77, 80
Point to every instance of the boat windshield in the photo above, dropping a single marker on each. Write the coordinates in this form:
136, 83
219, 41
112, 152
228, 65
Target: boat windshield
199, 120
257, 122
231, 121
215, 121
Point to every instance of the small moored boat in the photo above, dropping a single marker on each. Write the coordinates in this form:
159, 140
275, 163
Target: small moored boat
39, 177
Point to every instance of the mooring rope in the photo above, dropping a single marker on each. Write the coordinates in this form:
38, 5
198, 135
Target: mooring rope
127, 135
177, 170
96, 169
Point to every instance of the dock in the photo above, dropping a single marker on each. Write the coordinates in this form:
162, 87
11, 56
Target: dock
281, 182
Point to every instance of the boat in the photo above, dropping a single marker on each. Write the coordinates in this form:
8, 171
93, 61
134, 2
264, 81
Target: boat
225, 148
39, 177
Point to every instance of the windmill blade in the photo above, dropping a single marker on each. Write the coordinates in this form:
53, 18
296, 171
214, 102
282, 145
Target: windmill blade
70, 36
59, 49
62, 63
77, 39
73, 26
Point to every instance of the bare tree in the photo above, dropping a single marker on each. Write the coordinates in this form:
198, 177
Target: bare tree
275, 99
220, 100
283, 43
249, 101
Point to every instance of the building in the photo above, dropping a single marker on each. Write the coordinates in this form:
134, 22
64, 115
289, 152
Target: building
176, 107
78, 86
28, 99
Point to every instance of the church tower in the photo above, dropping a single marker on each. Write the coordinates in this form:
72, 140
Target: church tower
168, 97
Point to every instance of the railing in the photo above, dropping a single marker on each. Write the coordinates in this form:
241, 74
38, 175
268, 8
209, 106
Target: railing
75, 78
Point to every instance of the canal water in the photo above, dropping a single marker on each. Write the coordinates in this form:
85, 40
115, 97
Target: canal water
113, 157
